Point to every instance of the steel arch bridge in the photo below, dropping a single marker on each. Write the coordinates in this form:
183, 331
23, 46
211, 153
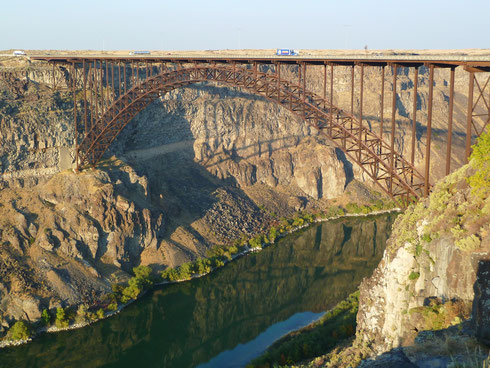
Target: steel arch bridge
114, 90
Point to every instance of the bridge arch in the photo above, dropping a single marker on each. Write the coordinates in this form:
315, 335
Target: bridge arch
393, 174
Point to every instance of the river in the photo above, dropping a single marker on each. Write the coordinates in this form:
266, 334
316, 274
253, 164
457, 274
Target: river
229, 317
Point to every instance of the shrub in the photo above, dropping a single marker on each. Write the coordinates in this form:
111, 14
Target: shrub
82, 314
62, 320
133, 290
100, 313
272, 234
184, 271
112, 306
480, 160
469, 243
297, 221
46, 317
353, 207
413, 276
169, 274
218, 263
20, 331
202, 266
438, 315
256, 242
308, 217
334, 211
117, 290
143, 274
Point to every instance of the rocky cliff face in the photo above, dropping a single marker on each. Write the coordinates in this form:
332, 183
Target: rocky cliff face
65, 241
434, 273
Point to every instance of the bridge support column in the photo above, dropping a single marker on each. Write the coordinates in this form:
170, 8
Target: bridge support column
450, 122
393, 121
360, 108
381, 112
414, 117
429, 130
331, 98
352, 90
75, 120
324, 86
469, 115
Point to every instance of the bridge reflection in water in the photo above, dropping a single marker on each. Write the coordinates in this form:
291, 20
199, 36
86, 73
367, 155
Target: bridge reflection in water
186, 324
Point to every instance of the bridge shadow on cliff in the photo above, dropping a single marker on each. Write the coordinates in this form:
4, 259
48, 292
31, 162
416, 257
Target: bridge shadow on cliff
159, 144
198, 207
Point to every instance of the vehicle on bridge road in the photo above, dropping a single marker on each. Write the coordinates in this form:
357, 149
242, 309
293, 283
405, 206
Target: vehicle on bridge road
140, 53
287, 52
18, 53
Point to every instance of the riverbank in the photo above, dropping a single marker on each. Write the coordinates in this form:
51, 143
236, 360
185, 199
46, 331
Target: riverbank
334, 327
311, 219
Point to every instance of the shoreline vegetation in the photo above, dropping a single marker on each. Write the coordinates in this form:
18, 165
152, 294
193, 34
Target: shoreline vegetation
336, 325
122, 295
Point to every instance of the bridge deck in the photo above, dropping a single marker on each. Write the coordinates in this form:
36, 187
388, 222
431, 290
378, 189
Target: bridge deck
447, 61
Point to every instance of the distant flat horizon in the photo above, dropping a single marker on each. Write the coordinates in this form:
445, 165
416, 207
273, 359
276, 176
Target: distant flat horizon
254, 24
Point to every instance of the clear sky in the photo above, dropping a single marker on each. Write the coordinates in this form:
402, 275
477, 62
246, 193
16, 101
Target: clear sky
253, 24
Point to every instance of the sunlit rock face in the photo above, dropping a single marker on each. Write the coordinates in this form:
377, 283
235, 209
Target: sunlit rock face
432, 277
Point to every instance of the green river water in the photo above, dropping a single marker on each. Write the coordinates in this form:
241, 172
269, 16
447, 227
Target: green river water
229, 317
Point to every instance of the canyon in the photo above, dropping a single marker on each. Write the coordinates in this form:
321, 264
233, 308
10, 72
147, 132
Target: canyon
200, 167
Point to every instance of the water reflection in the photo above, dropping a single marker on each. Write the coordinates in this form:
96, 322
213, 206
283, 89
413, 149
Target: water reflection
186, 324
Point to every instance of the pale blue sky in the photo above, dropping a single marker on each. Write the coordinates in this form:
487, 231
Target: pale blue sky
233, 24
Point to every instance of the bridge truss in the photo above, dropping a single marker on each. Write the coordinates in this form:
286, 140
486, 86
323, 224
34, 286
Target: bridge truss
109, 91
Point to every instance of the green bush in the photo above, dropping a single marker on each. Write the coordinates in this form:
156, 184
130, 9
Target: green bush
46, 317
20, 331
218, 263
100, 313
357, 209
201, 266
480, 160
82, 314
141, 281
297, 221
112, 306
469, 243
413, 276
256, 242
333, 211
169, 274
272, 234
143, 274
307, 217
62, 320
133, 290
183, 272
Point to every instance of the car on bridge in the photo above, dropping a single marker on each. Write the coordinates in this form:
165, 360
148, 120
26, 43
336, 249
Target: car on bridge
286, 52
140, 53
19, 53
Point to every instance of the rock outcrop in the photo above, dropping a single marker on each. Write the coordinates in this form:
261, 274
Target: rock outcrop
435, 272
63, 242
